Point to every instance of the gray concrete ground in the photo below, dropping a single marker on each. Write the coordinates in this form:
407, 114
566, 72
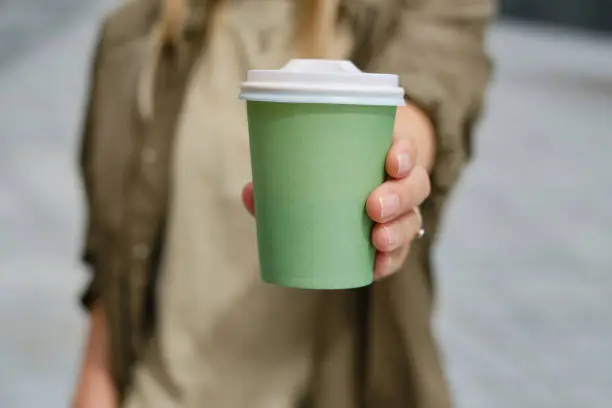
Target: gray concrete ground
525, 262
526, 258
42, 65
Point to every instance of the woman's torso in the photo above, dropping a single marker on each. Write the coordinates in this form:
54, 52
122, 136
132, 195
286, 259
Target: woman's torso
222, 338
226, 339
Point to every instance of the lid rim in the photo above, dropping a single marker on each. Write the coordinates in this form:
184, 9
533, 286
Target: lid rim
292, 86
322, 81
324, 99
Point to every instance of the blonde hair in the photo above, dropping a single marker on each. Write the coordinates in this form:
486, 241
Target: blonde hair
167, 30
315, 23
172, 18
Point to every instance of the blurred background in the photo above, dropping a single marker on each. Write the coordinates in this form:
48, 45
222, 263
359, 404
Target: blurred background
525, 260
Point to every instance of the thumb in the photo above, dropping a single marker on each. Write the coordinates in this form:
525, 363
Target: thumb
247, 198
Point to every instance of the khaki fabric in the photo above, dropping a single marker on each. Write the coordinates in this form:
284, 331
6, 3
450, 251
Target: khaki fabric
165, 149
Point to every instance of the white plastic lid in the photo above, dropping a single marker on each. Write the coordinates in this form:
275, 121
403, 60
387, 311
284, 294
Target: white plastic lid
322, 81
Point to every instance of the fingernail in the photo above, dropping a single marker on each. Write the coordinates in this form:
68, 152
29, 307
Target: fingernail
391, 237
389, 270
403, 161
389, 205
387, 264
391, 266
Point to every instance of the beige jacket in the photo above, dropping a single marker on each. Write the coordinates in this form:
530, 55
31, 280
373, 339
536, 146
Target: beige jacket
371, 347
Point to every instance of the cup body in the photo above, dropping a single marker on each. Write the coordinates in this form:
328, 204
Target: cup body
314, 165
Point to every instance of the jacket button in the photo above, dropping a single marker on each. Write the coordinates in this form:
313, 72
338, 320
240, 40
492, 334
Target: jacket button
140, 251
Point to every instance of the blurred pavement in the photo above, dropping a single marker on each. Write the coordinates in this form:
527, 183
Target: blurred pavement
525, 262
526, 258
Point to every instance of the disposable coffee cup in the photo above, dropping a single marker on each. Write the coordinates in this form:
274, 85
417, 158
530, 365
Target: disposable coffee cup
319, 134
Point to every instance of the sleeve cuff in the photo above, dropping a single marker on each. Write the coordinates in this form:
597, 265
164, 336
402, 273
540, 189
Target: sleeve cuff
90, 295
93, 289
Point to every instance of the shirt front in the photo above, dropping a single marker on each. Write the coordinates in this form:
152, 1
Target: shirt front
225, 338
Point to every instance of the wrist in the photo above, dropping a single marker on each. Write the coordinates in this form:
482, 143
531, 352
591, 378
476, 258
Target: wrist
96, 387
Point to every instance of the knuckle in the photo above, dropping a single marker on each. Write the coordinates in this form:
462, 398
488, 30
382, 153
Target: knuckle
423, 181
410, 233
411, 148
414, 223
394, 237
379, 239
427, 183
406, 146
407, 198
406, 252
409, 194
399, 258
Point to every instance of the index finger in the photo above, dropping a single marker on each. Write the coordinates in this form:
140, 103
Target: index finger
401, 158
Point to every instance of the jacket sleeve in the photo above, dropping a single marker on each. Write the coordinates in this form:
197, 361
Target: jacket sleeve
92, 290
437, 48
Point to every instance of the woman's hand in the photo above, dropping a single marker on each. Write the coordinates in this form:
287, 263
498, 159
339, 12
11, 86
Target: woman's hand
392, 204
95, 388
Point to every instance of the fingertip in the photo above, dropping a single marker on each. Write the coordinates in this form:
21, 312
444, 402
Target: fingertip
248, 198
382, 265
385, 237
374, 207
380, 239
401, 159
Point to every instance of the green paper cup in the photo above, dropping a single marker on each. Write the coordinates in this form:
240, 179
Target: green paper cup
319, 134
